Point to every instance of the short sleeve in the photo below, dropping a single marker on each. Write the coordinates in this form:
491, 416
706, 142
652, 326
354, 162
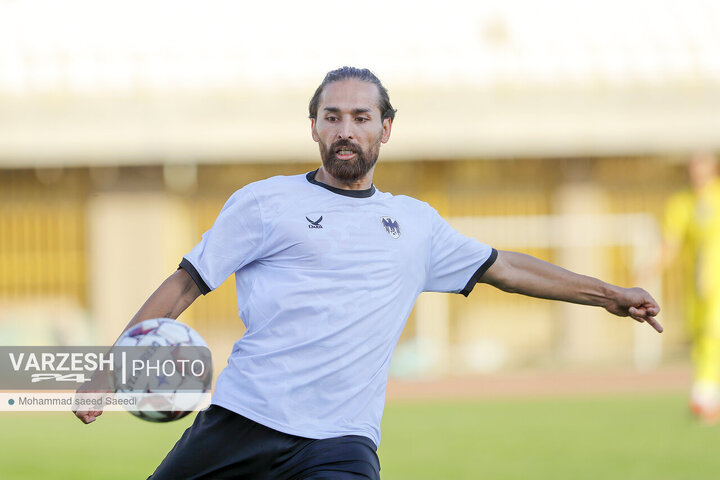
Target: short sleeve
456, 261
235, 239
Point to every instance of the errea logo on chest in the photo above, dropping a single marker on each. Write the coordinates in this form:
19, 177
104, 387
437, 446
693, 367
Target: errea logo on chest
391, 226
314, 224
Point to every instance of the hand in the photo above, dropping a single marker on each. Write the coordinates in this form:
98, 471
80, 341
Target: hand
88, 416
635, 303
96, 391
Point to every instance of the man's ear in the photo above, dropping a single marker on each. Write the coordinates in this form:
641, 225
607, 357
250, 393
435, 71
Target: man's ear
313, 131
387, 127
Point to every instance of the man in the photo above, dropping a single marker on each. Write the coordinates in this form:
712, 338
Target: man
328, 269
692, 232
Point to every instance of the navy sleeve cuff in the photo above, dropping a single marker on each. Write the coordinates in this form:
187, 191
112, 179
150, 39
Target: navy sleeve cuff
479, 273
192, 271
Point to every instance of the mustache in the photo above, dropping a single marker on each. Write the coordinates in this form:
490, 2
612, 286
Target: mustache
344, 143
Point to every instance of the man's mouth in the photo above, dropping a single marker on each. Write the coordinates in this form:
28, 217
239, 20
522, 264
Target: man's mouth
344, 153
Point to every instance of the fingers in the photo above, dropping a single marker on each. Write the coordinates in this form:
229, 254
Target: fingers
649, 303
85, 417
96, 399
651, 309
655, 324
643, 314
639, 313
88, 416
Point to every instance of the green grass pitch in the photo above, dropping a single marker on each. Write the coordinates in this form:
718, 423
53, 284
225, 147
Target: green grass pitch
603, 437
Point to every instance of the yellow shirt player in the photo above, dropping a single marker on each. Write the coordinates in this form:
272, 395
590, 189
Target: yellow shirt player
692, 233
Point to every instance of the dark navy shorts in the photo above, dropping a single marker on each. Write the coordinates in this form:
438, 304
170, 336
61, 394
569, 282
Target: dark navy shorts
223, 444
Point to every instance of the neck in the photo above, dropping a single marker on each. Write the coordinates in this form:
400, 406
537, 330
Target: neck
362, 183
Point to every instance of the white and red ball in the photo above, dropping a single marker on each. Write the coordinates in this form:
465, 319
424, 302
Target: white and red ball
161, 398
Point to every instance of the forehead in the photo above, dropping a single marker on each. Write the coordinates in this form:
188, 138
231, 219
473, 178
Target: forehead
350, 94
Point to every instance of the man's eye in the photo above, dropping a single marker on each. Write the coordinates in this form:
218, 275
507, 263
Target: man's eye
361, 119
331, 119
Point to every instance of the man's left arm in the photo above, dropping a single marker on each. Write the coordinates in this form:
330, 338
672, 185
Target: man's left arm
520, 273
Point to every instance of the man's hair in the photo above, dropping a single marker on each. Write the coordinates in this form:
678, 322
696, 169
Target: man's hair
362, 74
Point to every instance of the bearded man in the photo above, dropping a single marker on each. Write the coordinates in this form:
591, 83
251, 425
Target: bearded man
327, 269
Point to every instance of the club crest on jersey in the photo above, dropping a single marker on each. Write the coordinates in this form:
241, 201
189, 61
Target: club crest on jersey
316, 223
391, 226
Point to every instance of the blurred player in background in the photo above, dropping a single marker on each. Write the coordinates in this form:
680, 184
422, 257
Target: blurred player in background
692, 233
328, 269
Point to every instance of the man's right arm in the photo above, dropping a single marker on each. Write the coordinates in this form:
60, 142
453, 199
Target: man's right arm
170, 299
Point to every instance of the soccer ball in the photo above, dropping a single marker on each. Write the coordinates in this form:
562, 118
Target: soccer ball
162, 369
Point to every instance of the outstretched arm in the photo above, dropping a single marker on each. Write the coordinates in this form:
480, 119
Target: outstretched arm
170, 299
519, 273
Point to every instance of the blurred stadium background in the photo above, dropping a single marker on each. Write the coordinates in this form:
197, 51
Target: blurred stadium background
555, 128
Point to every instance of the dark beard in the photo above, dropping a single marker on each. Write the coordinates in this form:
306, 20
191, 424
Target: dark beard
348, 170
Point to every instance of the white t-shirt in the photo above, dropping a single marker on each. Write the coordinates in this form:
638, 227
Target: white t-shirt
326, 279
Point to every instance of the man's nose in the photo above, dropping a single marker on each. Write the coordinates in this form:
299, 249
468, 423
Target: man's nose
345, 130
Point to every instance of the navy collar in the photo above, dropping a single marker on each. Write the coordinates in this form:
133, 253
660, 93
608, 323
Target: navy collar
348, 193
